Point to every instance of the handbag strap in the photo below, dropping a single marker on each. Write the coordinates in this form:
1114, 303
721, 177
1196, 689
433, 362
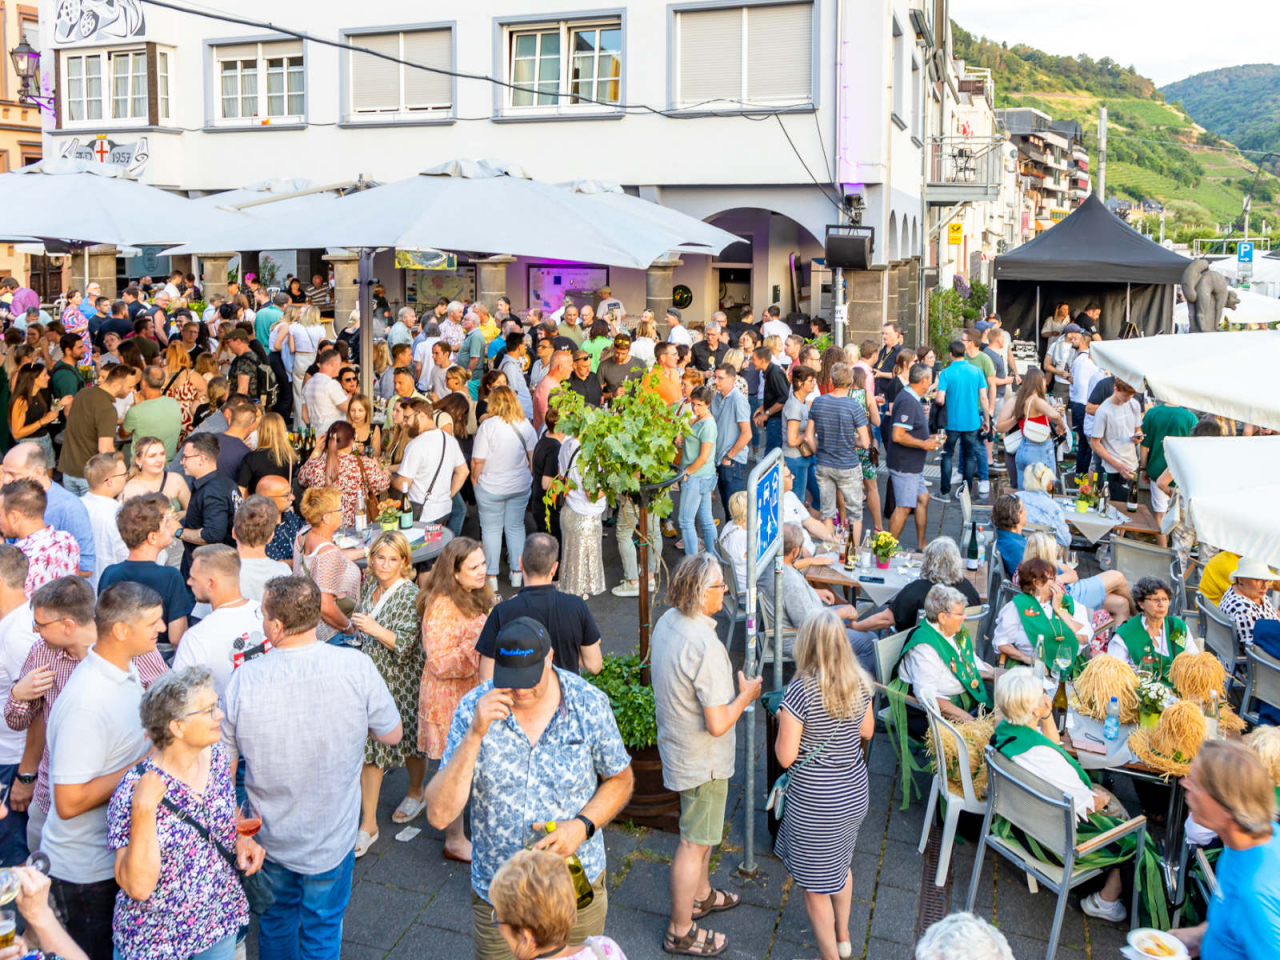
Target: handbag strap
194, 824
370, 495
822, 746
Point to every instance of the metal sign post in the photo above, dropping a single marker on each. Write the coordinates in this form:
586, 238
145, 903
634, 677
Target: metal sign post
1244, 260
764, 542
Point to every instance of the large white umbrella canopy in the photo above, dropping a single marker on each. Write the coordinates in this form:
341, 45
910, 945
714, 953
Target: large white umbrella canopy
1265, 269
1228, 374
81, 202
481, 206
1231, 488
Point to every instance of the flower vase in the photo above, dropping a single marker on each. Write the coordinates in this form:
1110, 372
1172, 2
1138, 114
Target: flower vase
1148, 719
882, 563
1082, 506
389, 524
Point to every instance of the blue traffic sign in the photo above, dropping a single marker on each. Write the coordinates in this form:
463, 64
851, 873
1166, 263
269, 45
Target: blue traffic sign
1244, 251
768, 510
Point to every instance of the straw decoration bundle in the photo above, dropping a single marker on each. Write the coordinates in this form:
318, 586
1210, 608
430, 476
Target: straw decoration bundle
1175, 741
1197, 675
1105, 677
976, 735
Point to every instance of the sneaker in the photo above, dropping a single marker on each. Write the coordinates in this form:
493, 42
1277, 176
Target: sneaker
940, 497
1094, 906
956, 478
517, 580
669, 530
984, 488
493, 583
627, 588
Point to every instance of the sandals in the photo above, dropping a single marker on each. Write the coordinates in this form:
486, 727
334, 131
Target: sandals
698, 942
363, 842
409, 809
719, 901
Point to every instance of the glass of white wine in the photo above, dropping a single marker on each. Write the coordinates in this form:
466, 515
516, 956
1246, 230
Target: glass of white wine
9, 882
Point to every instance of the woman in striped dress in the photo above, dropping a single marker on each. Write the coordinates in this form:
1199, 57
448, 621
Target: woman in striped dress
823, 727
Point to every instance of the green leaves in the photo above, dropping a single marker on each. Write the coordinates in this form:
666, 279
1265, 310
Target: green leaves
621, 679
630, 444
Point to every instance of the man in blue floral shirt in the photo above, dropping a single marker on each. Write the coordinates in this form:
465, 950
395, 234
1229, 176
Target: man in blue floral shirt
535, 744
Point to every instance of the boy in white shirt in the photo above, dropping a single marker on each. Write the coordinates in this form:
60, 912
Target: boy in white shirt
254, 526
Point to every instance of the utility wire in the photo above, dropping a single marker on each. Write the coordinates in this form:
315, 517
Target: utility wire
834, 202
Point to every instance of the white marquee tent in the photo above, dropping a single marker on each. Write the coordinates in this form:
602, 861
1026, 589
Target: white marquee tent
1231, 487
1228, 374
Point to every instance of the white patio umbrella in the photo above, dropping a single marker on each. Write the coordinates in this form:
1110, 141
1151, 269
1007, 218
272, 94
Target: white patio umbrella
80, 202
1231, 488
1228, 374
486, 207
1253, 308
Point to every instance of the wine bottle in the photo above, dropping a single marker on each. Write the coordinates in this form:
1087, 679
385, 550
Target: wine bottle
581, 885
1132, 505
850, 551
1060, 702
971, 555
982, 545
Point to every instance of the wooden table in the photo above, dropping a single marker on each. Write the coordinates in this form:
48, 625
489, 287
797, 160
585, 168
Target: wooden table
835, 575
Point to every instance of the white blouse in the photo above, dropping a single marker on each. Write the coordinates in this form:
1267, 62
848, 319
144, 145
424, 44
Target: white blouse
1048, 764
1009, 631
1118, 649
929, 676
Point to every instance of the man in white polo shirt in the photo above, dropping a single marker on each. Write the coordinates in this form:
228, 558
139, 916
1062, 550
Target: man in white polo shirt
433, 468
16, 640
323, 396
95, 735
233, 626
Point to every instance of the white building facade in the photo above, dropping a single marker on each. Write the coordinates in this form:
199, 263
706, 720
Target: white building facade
761, 116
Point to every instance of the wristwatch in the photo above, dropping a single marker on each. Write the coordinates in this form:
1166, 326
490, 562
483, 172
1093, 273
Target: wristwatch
586, 822
26, 778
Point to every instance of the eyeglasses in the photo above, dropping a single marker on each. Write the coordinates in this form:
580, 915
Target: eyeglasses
195, 713
719, 586
493, 919
36, 624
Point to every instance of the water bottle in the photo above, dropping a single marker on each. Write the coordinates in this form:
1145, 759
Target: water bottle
1111, 727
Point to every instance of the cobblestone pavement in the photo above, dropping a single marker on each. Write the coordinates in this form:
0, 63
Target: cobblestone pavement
410, 903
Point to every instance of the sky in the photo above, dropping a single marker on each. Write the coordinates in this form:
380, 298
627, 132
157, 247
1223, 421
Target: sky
1166, 40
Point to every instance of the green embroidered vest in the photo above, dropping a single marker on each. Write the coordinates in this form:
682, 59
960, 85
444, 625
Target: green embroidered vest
1012, 739
963, 665
1139, 643
1055, 631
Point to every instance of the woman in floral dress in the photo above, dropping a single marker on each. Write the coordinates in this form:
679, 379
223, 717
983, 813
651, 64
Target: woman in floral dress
335, 465
387, 619
183, 384
453, 606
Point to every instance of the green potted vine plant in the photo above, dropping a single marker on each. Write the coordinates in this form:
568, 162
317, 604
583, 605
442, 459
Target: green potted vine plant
628, 450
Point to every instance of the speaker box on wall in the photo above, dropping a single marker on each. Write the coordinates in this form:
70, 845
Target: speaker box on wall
850, 247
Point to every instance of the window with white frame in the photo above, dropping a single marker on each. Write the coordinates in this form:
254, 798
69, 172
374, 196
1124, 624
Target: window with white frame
726, 57
102, 85
258, 82
565, 64
381, 86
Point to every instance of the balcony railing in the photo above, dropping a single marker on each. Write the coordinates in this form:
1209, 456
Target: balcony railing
964, 169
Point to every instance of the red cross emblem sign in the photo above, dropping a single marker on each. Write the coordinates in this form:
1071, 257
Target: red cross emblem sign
102, 150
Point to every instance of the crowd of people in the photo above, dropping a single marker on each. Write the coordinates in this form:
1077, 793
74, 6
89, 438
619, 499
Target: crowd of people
206, 683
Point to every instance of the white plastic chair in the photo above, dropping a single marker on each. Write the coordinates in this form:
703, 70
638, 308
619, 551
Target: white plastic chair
964, 802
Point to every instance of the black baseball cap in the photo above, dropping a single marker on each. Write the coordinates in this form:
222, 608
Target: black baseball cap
523, 645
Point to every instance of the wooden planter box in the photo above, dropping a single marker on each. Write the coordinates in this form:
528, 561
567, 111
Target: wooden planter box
651, 804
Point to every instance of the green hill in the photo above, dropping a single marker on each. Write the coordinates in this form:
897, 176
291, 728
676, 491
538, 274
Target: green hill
1155, 150
1241, 104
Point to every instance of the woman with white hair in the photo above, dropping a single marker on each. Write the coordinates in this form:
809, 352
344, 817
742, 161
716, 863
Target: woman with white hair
962, 936
939, 662
1028, 735
941, 564
824, 725
1036, 496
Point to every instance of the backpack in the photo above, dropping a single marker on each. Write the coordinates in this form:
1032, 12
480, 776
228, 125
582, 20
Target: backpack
268, 388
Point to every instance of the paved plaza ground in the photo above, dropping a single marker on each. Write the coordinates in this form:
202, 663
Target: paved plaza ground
410, 903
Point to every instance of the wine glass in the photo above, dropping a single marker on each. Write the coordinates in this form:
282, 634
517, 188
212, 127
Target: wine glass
1062, 662
10, 885
248, 819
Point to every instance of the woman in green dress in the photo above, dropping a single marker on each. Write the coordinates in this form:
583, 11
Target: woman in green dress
1154, 633
1028, 736
389, 626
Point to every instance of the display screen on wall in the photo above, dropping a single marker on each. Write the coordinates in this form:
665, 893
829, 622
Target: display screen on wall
549, 282
424, 286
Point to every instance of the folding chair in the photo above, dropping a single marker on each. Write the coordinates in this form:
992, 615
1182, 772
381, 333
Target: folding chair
735, 608
1044, 812
1136, 560
968, 511
1220, 636
956, 803
1262, 682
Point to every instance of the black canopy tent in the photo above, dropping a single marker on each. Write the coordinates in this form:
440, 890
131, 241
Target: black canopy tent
1090, 255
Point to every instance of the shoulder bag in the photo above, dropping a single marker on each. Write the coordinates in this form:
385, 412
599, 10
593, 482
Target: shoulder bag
778, 792
257, 886
370, 497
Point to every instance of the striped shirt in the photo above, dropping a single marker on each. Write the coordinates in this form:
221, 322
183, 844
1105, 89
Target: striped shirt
19, 714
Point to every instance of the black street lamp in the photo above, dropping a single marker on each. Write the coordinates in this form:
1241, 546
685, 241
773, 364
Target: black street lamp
26, 64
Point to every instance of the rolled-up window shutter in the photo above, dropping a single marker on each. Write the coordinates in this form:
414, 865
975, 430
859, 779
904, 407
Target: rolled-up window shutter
375, 82
710, 56
424, 88
772, 77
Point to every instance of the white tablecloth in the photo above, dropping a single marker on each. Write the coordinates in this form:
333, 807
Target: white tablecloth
1087, 730
1093, 525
